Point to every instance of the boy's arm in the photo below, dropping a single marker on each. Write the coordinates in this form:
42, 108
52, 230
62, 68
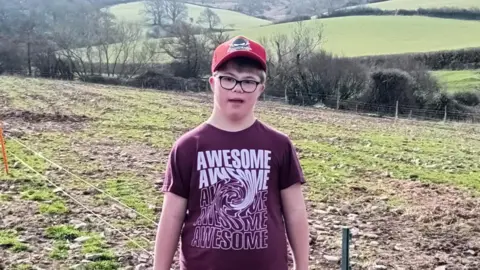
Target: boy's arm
176, 191
168, 231
296, 224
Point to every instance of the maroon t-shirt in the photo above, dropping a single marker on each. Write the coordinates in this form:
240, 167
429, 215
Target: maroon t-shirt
232, 181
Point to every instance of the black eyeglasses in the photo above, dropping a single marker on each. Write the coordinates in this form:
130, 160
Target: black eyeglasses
229, 83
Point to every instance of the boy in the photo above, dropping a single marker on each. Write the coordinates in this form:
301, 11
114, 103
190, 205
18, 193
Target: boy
232, 182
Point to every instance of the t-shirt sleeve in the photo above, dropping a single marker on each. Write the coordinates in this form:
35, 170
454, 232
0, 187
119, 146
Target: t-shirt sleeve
290, 171
177, 173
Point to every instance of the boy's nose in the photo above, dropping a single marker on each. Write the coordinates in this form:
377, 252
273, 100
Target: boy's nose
237, 88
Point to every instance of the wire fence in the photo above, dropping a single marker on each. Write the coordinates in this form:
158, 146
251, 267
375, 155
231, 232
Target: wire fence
75, 199
395, 111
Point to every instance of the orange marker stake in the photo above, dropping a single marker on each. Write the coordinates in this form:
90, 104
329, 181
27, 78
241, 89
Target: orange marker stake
4, 150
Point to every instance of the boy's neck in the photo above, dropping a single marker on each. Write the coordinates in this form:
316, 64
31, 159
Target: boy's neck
220, 121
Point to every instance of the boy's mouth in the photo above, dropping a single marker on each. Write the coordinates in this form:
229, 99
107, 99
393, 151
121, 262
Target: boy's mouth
236, 100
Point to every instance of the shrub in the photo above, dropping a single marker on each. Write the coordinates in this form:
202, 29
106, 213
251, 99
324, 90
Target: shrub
468, 98
388, 86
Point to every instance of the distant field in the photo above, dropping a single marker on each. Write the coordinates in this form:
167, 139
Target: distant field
374, 35
414, 4
134, 12
459, 80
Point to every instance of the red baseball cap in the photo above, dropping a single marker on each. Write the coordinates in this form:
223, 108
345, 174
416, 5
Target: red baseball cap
239, 46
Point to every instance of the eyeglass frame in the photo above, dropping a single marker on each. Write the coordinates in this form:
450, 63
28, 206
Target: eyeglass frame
238, 82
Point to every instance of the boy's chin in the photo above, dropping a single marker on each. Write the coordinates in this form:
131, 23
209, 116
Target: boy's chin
236, 116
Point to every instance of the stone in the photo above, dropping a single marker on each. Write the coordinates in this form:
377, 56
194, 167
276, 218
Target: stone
80, 226
143, 258
75, 246
380, 267
141, 267
93, 256
397, 247
331, 258
370, 235
352, 216
82, 239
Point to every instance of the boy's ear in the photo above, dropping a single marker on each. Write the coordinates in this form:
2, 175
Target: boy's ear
261, 88
211, 80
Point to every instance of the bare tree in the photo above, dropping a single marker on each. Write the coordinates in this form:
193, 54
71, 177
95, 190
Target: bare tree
155, 9
287, 54
175, 11
191, 49
210, 18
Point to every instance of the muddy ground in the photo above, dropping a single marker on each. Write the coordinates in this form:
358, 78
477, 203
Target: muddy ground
395, 224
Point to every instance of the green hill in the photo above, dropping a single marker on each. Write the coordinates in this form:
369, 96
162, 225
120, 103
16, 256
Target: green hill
135, 12
459, 80
375, 35
414, 4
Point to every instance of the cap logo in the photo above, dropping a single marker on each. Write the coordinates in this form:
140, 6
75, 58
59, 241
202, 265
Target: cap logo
240, 44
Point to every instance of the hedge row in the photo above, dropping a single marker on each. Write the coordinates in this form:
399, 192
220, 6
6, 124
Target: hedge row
450, 13
468, 58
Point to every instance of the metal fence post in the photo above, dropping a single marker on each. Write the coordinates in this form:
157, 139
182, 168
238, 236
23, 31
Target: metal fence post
345, 248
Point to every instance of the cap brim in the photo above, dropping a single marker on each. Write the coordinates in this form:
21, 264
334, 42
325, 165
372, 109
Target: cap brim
236, 54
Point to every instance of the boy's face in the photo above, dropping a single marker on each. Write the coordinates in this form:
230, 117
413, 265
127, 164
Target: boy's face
236, 101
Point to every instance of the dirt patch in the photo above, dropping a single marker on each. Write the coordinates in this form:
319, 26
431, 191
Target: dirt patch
138, 159
21, 121
398, 225
19, 215
33, 117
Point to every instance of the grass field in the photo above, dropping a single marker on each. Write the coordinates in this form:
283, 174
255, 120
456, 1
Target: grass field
459, 80
134, 12
414, 4
407, 189
373, 35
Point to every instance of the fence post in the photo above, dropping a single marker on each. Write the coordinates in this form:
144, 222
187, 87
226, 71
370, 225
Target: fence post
345, 248
4, 150
338, 100
396, 111
445, 116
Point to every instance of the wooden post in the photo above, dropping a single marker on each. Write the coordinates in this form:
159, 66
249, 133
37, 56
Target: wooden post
396, 111
445, 116
338, 99
4, 150
410, 115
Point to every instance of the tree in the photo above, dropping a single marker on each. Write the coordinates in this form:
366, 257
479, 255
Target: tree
209, 18
156, 10
288, 54
191, 49
175, 11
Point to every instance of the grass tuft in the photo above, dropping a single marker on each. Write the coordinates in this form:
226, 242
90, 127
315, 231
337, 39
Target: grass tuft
9, 240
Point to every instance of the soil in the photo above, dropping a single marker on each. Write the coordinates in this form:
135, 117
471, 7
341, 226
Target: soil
398, 224
395, 224
18, 122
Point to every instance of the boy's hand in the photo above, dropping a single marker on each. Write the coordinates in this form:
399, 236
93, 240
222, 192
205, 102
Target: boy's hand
297, 225
168, 232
